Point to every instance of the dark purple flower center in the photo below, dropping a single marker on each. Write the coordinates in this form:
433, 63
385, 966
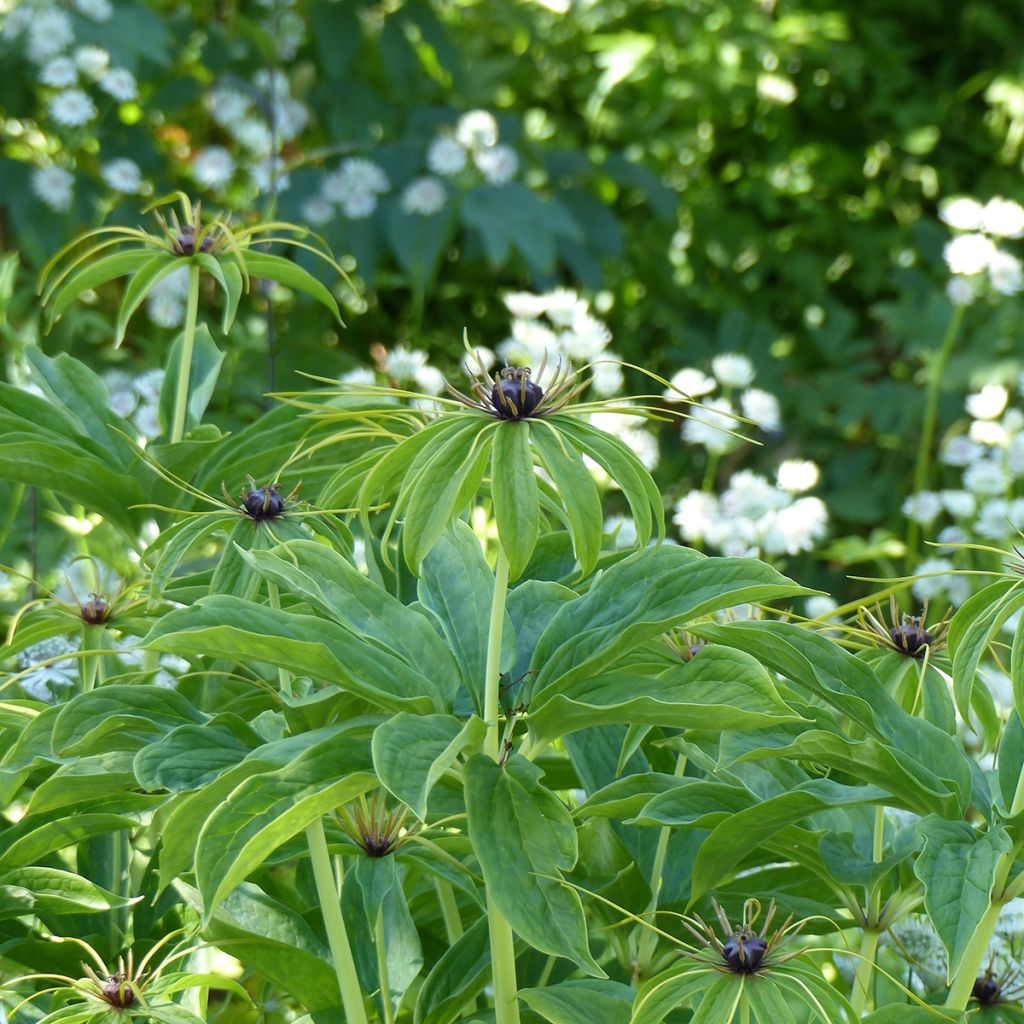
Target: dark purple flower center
118, 992
263, 503
911, 638
744, 952
95, 611
185, 241
514, 396
987, 989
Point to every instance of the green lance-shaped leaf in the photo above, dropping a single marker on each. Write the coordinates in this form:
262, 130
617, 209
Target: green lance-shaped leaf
143, 281
515, 495
908, 1014
411, 752
976, 622
733, 840
277, 268
267, 809
665, 992
228, 276
581, 1001
719, 689
39, 835
640, 598
958, 868
38, 890
459, 975
524, 837
92, 276
230, 627
577, 492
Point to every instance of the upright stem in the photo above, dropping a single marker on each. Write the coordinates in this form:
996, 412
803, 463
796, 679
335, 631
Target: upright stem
861, 1000
922, 470
185, 366
328, 891
283, 675
449, 910
503, 953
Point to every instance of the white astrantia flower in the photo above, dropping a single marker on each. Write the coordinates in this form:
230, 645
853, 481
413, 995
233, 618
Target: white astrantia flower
529, 342
961, 291
51, 682
360, 375
424, 197
214, 167
122, 175
477, 129
1003, 218
147, 419
165, 302
820, 606
429, 379
986, 478
150, 383
924, 507
446, 156
762, 408
952, 535
606, 378
994, 519
797, 475
92, 61
359, 205
404, 363
689, 382
228, 106
1005, 273
60, 73
696, 514
751, 496
528, 306
72, 108
989, 433
968, 254
623, 529
253, 134
587, 339
95, 10
271, 172
563, 305
121, 395
960, 451
962, 213
928, 587
54, 186
498, 165
318, 210
796, 528
290, 118
119, 83
733, 370
1013, 421
708, 425
49, 31
16, 21
959, 504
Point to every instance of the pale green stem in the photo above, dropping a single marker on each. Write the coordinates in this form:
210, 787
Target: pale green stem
449, 910
922, 469
382, 971
861, 1000
328, 891
545, 974
503, 952
88, 665
974, 957
283, 675
185, 366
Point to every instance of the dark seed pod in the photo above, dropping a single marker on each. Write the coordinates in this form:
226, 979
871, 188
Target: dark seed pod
96, 611
514, 396
911, 638
185, 241
987, 989
263, 503
744, 952
118, 992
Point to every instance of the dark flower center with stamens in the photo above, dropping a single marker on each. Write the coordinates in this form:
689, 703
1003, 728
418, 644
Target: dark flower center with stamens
379, 845
263, 503
744, 952
986, 989
911, 638
514, 396
185, 241
118, 992
95, 611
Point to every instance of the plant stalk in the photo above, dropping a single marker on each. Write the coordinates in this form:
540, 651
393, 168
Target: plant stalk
329, 893
382, 970
449, 910
503, 952
922, 469
283, 675
185, 366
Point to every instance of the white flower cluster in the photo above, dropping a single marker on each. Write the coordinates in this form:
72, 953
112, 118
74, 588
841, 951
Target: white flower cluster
475, 138
973, 256
560, 325
754, 517
54, 186
166, 300
354, 188
709, 423
52, 682
261, 120
136, 398
987, 507
424, 197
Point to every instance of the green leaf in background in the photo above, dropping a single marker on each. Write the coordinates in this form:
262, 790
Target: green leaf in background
459, 975
584, 1001
276, 268
30, 890
524, 838
958, 869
